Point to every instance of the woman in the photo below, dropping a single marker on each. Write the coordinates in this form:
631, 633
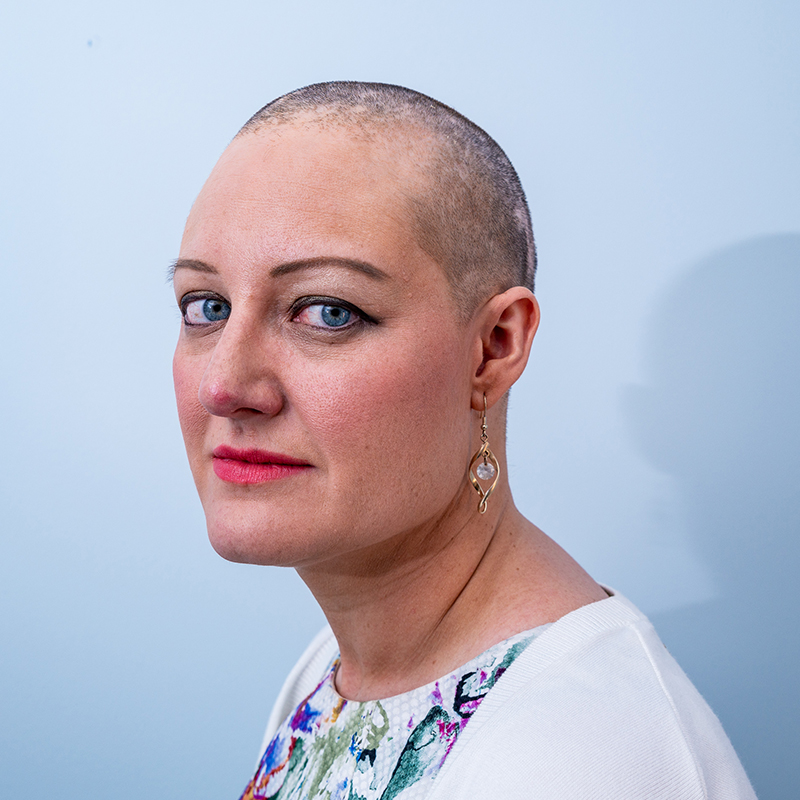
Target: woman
355, 281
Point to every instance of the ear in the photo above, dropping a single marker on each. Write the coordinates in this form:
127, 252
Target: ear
505, 328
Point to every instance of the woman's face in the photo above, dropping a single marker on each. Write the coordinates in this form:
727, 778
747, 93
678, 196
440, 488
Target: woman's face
321, 373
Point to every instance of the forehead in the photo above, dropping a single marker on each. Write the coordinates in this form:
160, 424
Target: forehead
300, 187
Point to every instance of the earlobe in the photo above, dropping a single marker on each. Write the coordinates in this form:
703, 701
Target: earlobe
507, 326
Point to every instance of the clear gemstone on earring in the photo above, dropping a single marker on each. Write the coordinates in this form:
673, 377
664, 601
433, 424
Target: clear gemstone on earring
485, 471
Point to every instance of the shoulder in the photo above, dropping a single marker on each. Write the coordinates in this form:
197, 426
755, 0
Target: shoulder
596, 707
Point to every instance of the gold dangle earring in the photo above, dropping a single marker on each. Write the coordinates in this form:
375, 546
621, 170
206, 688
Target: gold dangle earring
488, 467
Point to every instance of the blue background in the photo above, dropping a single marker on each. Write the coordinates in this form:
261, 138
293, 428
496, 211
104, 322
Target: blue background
655, 434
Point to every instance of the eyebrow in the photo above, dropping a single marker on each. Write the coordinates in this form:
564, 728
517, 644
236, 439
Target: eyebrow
189, 263
286, 269
324, 261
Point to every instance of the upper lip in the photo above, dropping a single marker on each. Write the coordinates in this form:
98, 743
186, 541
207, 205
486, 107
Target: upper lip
255, 456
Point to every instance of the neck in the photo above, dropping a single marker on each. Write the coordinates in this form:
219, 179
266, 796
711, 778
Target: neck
424, 604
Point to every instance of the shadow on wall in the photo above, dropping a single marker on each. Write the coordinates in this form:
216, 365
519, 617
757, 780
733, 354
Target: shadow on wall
721, 415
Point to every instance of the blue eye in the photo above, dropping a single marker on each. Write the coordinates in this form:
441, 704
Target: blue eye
323, 315
335, 316
206, 310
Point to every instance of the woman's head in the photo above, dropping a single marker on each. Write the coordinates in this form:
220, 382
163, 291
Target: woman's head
326, 371
464, 200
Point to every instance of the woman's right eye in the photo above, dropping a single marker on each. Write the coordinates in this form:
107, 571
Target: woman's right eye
205, 311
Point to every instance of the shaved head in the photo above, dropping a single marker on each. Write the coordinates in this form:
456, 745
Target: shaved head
465, 202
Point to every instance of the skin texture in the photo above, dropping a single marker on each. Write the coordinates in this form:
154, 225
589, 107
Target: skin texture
380, 522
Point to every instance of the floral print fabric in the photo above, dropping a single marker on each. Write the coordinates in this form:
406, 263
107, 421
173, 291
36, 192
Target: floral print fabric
330, 748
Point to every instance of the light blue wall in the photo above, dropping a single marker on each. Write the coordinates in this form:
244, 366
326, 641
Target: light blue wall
655, 434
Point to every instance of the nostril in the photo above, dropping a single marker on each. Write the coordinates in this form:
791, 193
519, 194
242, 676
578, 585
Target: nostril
247, 411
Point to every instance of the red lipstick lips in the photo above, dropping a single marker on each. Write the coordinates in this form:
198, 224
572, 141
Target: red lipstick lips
254, 466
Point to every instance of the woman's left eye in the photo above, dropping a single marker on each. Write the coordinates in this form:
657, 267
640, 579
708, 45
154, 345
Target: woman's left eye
327, 316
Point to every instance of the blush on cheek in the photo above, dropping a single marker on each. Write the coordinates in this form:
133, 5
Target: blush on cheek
399, 414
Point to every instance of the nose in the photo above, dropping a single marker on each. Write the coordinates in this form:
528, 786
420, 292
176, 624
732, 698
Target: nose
239, 380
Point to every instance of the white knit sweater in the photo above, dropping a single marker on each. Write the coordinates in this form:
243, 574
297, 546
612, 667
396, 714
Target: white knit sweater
595, 708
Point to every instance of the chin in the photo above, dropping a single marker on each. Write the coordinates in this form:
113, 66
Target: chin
263, 542
244, 546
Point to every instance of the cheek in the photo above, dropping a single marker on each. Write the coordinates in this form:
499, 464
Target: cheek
402, 413
186, 375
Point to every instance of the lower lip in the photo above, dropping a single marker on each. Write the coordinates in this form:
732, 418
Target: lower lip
234, 471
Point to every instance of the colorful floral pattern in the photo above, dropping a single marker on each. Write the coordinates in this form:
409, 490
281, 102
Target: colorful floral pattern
334, 749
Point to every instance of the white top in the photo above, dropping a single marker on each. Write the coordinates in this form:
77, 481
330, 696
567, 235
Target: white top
388, 749
594, 708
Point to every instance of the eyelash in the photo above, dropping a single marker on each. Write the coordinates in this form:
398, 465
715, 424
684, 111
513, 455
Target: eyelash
298, 307
304, 303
